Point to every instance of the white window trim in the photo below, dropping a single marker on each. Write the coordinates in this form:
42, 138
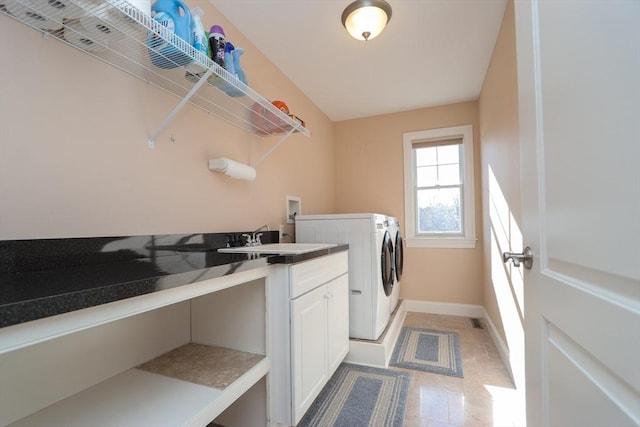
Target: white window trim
468, 241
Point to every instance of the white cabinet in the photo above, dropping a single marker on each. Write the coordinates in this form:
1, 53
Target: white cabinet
309, 337
177, 357
310, 302
319, 339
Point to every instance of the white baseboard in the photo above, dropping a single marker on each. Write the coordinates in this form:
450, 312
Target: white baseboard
451, 309
499, 342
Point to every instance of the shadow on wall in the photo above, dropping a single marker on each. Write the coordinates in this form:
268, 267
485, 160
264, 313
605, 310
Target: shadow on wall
506, 279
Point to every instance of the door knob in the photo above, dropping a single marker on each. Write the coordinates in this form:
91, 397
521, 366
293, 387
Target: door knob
525, 257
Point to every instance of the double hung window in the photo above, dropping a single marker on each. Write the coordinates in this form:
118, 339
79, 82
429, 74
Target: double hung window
439, 203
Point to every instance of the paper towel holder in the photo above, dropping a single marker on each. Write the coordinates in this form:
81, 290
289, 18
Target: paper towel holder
239, 170
232, 169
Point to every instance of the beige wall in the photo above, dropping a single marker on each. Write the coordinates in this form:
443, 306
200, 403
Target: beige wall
74, 160
369, 170
501, 192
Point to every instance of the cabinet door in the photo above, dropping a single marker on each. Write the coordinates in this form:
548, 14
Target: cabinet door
337, 321
309, 344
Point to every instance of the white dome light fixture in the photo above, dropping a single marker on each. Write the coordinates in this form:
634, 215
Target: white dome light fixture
365, 19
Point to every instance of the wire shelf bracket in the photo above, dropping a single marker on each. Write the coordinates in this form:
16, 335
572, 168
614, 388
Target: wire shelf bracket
176, 110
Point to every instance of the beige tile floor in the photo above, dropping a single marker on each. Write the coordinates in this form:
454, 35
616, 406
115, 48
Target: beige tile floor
485, 396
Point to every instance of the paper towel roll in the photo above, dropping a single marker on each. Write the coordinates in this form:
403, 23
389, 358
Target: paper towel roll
100, 30
136, 11
142, 5
30, 15
63, 8
74, 33
232, 168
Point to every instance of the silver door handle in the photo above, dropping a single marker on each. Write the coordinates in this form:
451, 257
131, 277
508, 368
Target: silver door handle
525, 257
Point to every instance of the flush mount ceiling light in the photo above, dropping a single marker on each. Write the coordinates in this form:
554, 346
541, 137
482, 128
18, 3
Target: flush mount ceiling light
365, 19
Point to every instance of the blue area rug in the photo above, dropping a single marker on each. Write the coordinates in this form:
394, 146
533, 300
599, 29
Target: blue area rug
360, 396
428, 350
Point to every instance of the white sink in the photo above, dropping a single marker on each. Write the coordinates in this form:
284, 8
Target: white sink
280, 248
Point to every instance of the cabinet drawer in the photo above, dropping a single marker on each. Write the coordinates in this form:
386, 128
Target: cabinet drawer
308, 275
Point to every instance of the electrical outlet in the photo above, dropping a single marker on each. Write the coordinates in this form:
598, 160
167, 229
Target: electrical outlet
286, 233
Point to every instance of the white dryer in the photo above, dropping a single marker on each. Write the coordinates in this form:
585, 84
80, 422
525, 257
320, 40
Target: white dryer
398, 259
370, 264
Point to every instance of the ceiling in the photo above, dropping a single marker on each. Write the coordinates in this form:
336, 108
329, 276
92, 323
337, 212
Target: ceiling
433, 52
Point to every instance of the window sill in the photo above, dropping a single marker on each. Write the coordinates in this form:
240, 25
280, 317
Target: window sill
441, 242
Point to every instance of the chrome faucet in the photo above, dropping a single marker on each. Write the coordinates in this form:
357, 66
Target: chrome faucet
264, 227
253, 239
249, 239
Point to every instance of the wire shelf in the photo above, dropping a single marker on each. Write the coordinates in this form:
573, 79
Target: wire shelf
119, 34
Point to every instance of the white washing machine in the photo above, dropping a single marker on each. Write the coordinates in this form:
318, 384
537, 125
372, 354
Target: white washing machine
398, 260
370, 264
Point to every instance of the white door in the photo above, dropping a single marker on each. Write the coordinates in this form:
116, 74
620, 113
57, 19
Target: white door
579, 94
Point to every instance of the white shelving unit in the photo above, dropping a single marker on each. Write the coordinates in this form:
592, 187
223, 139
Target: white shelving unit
123, 44
89, 367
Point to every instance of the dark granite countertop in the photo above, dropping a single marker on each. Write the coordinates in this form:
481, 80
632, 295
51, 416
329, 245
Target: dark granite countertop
46, 277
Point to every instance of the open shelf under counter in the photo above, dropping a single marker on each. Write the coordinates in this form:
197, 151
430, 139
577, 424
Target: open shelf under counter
197, 284
180, 357
152, 397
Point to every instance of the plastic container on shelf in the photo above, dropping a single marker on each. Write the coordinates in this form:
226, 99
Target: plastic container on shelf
175, 16
217, 44
264, 122
237, 53
195, 69
281, 105
229, 88
228, 58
